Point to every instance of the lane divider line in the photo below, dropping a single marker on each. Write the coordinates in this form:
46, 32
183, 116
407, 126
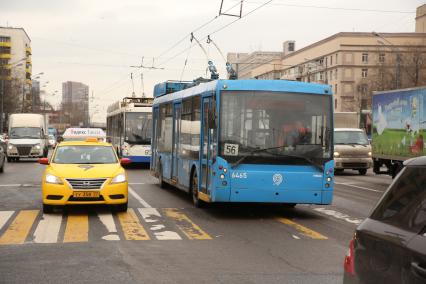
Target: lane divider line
360, 187
338, 215
48, 228
77, 229
19, 228
189, 228
302, 229
138, 198
132, 228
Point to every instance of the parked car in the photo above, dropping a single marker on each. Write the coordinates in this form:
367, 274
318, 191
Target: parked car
3, 142
390, 245
2, 159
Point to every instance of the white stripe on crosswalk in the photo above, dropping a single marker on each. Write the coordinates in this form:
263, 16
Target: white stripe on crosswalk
108, 221
4, 216
151, 215
47, 231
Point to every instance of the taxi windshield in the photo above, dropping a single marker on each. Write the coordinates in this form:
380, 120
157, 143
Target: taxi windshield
79, 154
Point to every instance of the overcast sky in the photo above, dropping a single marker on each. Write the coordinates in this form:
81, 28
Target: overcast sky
96, 42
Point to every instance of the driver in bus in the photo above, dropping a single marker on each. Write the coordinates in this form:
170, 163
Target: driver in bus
293, 134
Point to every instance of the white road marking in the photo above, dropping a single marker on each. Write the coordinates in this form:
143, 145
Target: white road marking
295, 237
108, 221
138, 198
360, 187
339, 215
4, 216
10, 185
47, 230
136, 183
151, 215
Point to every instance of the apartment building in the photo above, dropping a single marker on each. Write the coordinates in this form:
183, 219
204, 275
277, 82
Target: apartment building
75, 103
356, 63
16, 66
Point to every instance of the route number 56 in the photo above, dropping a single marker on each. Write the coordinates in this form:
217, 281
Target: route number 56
231, 149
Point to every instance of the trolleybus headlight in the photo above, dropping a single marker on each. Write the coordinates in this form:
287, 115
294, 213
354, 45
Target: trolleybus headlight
336, 154
222, 176
329, 179
225, 170
52, 179
327, 185
119, 178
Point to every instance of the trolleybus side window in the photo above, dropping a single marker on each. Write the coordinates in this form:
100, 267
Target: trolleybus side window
166, 127
195, 127
185, 135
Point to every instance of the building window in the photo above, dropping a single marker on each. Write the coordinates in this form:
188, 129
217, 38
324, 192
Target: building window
321, 61
335, 103
291, 46
336, 58
381, 57
4, 39
331, 74
365, 58
326, 61
335, 74
331, 60
321, 76
335, 88
364, 73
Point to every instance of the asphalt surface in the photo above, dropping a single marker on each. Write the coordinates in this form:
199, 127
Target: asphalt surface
164, 239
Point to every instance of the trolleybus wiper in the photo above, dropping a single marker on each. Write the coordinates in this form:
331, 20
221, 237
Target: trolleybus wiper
310, 161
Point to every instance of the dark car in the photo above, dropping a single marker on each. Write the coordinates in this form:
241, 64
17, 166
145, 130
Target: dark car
390, 245
2, 159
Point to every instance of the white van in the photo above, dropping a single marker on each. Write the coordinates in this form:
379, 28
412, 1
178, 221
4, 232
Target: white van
27, 136
81, 134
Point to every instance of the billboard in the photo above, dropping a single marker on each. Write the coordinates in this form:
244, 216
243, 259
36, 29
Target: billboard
399, 122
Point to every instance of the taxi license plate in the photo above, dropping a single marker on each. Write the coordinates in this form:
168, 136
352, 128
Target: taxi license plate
90, 194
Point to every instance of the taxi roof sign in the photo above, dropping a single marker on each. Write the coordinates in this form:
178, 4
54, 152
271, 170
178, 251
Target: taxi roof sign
83, 134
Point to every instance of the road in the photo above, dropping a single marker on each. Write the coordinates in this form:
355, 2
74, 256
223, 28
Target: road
164, 239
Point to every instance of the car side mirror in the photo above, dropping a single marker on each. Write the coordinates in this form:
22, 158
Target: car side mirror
43, 161
125, 161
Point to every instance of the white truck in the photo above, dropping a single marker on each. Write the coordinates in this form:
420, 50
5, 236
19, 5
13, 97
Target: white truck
346, 120
28, 136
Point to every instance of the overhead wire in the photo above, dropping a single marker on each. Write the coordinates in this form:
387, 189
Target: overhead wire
216, 31
193, 31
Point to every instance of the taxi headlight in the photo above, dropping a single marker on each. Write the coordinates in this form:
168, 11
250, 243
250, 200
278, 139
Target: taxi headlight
336, 154
52, 179
119, 178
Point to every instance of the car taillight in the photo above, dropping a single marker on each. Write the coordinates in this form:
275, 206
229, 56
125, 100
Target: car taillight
350, 259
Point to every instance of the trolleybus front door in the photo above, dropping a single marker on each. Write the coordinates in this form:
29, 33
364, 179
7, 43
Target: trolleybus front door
206, 140
177, 110
154, 138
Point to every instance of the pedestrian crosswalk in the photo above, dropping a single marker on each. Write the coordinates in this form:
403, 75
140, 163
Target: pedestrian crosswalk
140, 224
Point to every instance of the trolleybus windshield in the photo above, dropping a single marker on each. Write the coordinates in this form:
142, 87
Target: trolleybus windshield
138, 127
288, 125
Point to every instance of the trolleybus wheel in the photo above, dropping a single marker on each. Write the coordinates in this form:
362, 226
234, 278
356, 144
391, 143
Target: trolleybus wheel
194, 191
362, 171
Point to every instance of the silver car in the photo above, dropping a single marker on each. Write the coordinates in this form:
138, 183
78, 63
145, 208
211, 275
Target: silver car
352, 150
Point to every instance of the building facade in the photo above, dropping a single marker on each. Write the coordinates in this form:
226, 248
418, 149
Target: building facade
245, 63
421, 19
15, 70
75, 103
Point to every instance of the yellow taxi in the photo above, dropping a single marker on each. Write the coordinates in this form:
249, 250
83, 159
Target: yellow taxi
84, 172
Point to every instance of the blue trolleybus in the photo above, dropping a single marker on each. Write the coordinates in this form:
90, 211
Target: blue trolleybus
129, 130
245, 140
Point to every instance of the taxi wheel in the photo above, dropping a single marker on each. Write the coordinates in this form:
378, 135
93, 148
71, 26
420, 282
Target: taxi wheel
2, 166
121, 207
47, 209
